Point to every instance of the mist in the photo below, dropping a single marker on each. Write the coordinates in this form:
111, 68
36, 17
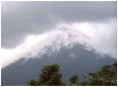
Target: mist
102, 37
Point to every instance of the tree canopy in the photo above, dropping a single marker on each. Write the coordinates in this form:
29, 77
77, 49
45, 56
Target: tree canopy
107, 76
73, 80
50, 76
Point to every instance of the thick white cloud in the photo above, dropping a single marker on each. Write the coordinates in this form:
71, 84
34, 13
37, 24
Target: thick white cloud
102, 37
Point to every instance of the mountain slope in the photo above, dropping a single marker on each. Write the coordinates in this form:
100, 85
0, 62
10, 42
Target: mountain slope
76, 60
68, 47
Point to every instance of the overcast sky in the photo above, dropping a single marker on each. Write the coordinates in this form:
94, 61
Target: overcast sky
20, 19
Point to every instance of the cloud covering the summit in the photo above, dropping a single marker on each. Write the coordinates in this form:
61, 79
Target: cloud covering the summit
27, 24
102, 37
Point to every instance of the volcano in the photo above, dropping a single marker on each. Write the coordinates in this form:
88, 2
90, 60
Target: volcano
69, 48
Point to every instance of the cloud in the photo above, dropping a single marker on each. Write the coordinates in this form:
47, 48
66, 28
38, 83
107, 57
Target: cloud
19, 19
102, 37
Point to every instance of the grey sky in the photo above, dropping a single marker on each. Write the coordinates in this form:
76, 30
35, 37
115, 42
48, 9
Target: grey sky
22, 18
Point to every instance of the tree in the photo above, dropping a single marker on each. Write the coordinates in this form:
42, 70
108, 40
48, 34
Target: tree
73, 80
32, 83
49, 76
107, 75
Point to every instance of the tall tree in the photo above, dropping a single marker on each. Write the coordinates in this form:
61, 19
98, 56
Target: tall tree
49, 76
73, 80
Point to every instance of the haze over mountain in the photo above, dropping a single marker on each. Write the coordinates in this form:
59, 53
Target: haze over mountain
68, 47
80, 36
65, 35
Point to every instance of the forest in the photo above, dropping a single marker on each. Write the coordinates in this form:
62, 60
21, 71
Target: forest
50, 76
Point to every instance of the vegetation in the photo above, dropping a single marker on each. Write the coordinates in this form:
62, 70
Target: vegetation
50, 76
106, 76
73, 80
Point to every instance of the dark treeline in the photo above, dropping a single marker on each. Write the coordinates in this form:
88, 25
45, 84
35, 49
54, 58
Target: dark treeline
50, 76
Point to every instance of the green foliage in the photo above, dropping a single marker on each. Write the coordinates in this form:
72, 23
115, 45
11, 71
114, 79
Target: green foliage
106, 76
32, 83
73, 80
49, 76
